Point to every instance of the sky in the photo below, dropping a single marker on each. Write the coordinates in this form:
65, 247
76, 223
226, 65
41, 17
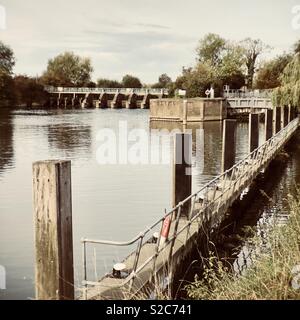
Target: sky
144, 38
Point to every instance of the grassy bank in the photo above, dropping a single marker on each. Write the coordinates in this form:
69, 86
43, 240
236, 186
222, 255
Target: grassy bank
271, 275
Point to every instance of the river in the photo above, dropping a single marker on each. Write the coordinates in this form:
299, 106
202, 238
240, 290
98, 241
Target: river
111, 201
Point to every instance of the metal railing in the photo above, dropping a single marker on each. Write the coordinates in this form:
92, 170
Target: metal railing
141, 91
214, 199
259, 94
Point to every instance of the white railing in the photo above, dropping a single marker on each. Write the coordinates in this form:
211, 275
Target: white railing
259, 94
140, 91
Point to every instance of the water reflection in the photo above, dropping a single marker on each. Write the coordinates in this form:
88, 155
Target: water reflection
207, 147
6, 141
70, 139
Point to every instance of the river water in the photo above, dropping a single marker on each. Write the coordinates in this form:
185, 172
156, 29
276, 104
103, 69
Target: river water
110, 201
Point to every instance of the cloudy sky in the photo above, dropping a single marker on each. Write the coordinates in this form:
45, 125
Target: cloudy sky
140, 37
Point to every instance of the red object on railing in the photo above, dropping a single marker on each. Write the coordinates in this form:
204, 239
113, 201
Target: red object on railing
165, 230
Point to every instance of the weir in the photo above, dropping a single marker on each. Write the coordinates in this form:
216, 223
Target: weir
162, 247
129, 98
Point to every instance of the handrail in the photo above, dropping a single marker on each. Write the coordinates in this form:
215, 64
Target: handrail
258, 94
52, 89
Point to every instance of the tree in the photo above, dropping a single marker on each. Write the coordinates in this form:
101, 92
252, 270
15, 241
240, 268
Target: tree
225, 57
196, 81
289, 91
164, 82
231, 69
28, 90
297, 47
129, 81
210, 49
68, 69
268, 76
7, 59
107, 83
252, 50
7, 62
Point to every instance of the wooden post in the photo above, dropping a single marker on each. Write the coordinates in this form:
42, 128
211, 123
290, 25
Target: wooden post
253, 131
228, 144
54, 274
73, 100
184, 113
289, 113
277, 120
294, 113
268, 124
284, 116
182, 175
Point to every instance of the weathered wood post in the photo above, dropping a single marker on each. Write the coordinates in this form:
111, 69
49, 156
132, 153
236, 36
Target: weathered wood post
268, 124
184, 112
289, 113
54, 274
182, 167
73, 100
253, 131
228, 144
277, 119
294, 113
58, 100
284, 116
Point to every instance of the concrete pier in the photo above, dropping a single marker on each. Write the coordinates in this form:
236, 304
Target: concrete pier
131, 103
196, 109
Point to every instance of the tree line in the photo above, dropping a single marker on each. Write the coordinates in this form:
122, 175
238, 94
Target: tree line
218, 62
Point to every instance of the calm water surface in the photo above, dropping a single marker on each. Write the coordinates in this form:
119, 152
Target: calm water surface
113, 202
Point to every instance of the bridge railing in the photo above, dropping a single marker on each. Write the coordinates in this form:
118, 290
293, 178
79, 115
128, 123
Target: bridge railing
213, 205
143, 91
255, 94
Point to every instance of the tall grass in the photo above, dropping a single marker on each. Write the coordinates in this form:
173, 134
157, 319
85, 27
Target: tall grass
269, 277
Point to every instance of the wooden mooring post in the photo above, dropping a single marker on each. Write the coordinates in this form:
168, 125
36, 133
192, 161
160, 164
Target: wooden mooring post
228, 144
284, 116
184, 112
276, 120
54, 274
182, 170
253, 131
268, 124
290, 113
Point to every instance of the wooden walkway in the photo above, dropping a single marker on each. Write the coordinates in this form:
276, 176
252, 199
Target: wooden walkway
151, 261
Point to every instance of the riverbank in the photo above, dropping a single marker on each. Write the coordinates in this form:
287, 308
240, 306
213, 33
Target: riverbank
273, 274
